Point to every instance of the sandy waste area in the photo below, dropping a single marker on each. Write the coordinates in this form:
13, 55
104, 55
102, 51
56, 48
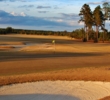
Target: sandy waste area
56, 90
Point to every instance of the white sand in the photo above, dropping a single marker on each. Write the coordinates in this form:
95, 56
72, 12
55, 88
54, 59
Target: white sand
56, 90
38, 47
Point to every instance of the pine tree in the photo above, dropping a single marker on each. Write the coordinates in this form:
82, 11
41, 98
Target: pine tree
87, 18
98, 20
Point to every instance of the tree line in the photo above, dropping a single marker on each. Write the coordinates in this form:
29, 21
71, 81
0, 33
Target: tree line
94, 21
94, 25
77, 33
10, 30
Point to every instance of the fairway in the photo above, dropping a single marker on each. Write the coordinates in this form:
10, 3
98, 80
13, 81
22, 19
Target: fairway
71, 60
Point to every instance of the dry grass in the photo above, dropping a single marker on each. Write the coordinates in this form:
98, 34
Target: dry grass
11, 43
106, 98
6, 47
86, 74
40, 36
72, 60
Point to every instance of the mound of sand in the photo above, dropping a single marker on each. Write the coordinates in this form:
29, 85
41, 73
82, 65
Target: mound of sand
9, 45
6, 47
56, 90
12, 43
38, 47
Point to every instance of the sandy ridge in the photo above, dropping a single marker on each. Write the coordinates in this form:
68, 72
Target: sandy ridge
56, 90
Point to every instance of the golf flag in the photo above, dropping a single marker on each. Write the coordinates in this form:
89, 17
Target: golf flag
53, 41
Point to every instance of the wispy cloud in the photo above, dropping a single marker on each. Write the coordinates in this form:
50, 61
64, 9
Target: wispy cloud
95, 3
14, 0
106, 1
71, 16
26, 6
7, 18
43, 11
41, 7
98, 3
69, 19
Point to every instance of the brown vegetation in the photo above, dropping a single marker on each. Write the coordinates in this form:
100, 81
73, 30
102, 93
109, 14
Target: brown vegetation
11, 43
72, 60
6, 47
86, 74
106, 98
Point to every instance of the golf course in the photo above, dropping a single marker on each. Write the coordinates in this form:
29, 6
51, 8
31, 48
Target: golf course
32, 58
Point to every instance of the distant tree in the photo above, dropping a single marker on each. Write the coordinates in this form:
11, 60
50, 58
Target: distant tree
9, 29
65, 32
82, 32
98, 20
106, 11
87, 18
78, 33
22, 32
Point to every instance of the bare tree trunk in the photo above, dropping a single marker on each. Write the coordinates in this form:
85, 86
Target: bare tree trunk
87, 36
88, 33
96, 35
84, 39
103, 35
97, 30
85, 31
104, 32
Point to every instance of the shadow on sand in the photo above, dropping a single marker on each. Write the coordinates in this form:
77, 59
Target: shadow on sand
37, 97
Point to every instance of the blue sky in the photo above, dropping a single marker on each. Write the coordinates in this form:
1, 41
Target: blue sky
56, 15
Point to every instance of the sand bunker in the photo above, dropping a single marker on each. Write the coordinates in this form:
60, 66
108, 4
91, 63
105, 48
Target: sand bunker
37, 47
6, 47
20, 46
10, 45
56, 90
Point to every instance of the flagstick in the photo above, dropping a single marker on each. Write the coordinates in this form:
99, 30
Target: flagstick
54, 45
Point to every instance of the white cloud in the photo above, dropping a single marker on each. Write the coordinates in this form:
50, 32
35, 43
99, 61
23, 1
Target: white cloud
59, 20
14, 14
95, 3
72, 23
22, 14
51, 13
81, 23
